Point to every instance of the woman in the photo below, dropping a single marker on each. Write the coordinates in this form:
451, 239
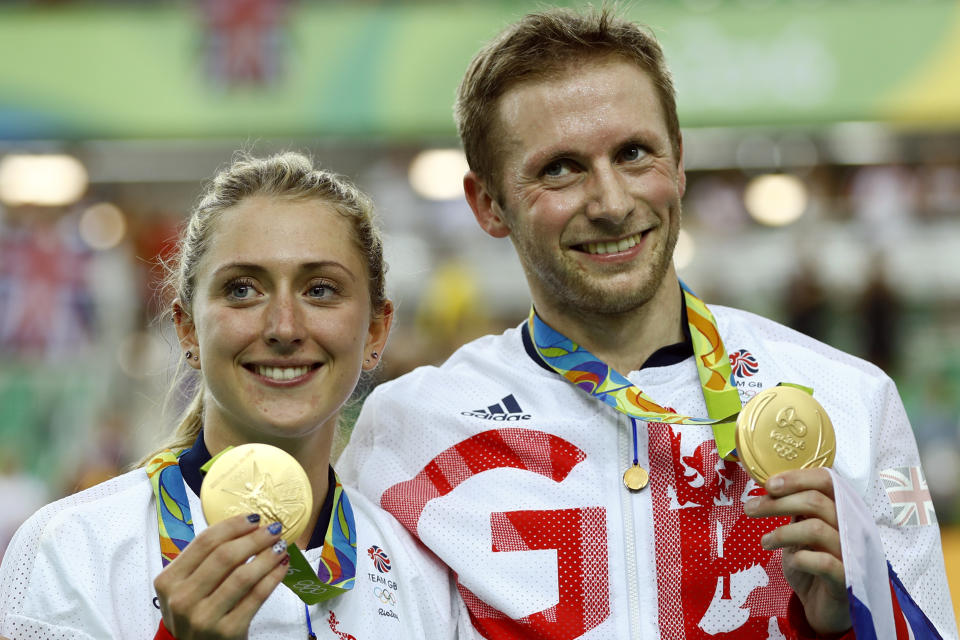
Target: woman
280, 304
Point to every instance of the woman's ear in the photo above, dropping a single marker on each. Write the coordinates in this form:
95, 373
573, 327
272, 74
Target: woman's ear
186, 334
377, 336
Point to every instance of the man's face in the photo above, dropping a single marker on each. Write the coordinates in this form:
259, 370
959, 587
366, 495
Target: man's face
590, 188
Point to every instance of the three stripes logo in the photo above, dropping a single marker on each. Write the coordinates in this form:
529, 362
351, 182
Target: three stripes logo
507, 410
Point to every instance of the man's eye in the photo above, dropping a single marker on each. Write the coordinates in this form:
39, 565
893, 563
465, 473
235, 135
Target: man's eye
557, 169
631, 153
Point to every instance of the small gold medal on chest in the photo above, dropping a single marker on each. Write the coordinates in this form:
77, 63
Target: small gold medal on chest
635, 478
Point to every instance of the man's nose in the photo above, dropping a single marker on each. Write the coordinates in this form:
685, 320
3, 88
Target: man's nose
284, 322
609, 195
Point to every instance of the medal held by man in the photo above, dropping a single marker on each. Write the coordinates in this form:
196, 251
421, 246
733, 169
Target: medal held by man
784, 428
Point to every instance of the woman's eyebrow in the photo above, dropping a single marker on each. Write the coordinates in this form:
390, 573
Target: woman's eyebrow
260, 269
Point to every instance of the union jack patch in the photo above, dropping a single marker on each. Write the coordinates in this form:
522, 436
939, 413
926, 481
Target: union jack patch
909, 496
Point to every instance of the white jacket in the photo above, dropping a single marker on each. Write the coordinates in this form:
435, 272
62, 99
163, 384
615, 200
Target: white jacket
83, 567
513, 477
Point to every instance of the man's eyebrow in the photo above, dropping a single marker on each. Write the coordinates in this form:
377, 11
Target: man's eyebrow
643, 135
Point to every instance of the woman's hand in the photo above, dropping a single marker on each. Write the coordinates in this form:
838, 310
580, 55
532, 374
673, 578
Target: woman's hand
812, 562
219, 582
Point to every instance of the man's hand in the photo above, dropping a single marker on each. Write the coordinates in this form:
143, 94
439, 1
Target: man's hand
812, 562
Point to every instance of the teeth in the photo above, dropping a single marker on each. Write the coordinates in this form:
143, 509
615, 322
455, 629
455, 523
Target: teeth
603, 248
281, 373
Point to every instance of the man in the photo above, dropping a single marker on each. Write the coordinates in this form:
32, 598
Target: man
522, 462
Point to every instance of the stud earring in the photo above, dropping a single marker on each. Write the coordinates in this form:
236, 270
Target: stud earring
375, 355
188, 355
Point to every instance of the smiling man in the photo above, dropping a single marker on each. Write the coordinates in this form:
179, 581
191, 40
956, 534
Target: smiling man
578, 473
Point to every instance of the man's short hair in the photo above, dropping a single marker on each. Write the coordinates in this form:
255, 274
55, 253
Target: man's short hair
536, 47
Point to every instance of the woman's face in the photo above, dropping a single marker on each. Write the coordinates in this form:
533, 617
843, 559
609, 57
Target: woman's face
281, 319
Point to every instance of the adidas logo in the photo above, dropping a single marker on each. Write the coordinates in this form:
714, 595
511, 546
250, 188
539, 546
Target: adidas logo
507, 410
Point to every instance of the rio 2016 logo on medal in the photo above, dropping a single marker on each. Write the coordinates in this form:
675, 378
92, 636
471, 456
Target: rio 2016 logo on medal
784, 428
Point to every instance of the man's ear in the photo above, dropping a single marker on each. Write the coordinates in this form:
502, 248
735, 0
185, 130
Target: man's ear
681, 174
186, 334
485, 207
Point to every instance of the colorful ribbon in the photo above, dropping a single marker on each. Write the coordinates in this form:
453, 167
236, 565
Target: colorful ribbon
586, 372
338, 560
173, 507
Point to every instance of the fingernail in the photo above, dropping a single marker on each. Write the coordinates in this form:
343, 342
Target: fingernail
765, 541
280, 546
749, 507
285, 560
274, 528
253, 518
775, 483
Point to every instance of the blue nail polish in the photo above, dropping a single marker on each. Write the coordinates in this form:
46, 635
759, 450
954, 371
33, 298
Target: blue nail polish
275, 528
253, 518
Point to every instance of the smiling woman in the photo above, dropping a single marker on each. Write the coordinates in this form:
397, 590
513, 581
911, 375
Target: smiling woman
280, 321
279, 306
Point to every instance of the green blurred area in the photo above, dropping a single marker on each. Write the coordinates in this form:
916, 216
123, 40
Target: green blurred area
390, 70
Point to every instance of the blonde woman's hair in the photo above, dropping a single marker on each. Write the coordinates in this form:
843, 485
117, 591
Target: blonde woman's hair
287, 175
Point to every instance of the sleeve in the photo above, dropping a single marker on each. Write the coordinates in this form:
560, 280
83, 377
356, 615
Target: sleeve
34, 578
898, 502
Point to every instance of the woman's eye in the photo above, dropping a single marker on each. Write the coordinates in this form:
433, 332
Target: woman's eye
321, 290
240, 290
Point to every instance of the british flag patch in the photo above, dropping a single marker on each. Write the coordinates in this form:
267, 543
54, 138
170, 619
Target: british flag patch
909, 496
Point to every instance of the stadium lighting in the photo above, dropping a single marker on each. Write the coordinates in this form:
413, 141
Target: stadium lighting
437, 174
45, 180
775, 200
102, 226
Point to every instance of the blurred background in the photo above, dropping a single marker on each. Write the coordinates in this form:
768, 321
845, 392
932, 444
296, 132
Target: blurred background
822, 146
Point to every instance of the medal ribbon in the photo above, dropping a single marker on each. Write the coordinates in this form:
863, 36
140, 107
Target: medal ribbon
338, 558
586, 372
173, 507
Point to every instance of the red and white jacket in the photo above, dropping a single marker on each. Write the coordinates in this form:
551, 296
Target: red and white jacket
513, 477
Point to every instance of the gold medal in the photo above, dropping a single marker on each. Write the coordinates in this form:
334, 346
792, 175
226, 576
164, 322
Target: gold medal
784, 428
635, 478
258, 478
